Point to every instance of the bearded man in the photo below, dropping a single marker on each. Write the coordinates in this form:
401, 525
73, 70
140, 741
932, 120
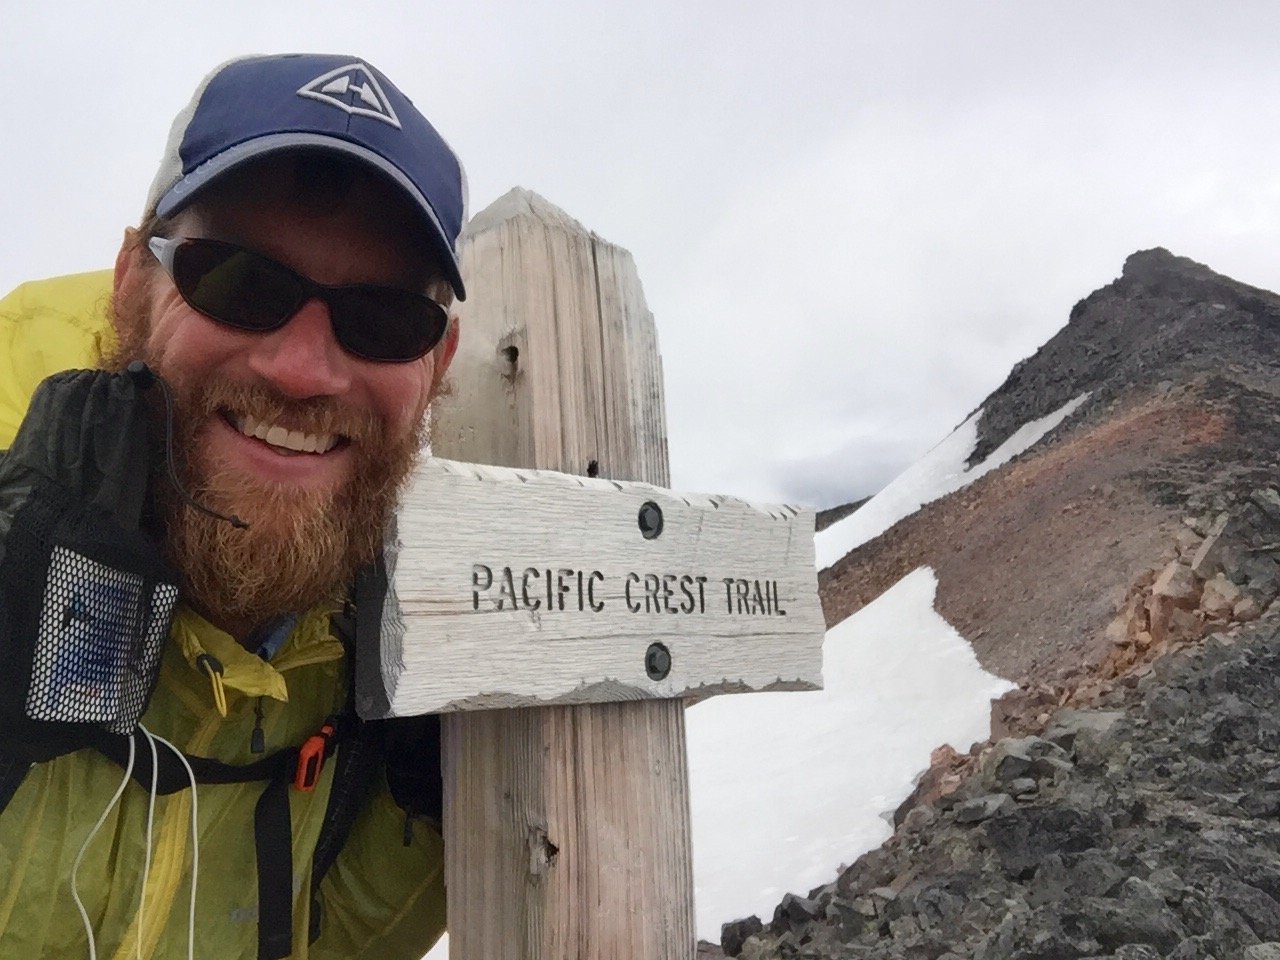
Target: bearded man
279, 325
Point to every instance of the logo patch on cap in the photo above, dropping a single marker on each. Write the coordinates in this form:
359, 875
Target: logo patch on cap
352, 88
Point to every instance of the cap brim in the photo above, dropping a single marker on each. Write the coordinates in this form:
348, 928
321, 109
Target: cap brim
190, 186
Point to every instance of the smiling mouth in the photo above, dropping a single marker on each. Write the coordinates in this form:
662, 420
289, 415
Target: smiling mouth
282, 438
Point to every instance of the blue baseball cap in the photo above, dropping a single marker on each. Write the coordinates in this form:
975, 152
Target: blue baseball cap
253, 106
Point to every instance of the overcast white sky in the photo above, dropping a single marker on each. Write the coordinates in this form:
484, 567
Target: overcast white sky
851, 218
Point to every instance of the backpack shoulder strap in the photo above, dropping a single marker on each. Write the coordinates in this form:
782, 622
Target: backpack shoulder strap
405, 749
355, 773
360, 754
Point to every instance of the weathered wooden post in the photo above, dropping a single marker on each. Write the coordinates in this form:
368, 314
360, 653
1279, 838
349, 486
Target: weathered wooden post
557, 621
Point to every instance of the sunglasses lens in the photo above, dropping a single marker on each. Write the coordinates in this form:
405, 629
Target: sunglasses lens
235, 286
248, 291
381, 323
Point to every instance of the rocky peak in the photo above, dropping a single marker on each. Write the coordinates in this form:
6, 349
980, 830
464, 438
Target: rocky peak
1166, 320
1159, 273
1158, 263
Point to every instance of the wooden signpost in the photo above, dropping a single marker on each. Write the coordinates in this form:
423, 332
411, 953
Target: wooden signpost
559, 605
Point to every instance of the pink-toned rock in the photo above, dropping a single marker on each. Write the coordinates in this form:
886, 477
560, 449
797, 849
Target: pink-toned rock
1118, 631
1247, 608
1207, 559
1186, 625
1219, 597
1011, 712
1186, 541
1136, 612
1159, 612
1177, 584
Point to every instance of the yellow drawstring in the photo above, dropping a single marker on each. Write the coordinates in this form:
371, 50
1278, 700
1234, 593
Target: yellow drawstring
213, 667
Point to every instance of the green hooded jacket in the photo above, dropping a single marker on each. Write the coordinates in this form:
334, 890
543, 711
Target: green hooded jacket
382, 898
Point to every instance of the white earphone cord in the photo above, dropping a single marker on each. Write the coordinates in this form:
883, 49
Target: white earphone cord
75, 867
146, 862
146, 869
195, 839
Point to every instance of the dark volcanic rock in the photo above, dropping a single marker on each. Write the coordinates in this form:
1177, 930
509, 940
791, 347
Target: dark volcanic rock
1117, 923
1166, 844
734, 935
982, 808
1021, 838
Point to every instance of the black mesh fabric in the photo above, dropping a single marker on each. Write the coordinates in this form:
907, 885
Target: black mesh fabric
86, 595
85, 608
100, 635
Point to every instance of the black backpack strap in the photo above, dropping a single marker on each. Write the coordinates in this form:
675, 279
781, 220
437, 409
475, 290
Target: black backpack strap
358, 626
171, 775
413, 764
12, 773
273, 834
354, 775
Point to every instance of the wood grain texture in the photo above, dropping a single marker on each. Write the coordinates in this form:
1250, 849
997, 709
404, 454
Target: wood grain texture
526, 588
566, 827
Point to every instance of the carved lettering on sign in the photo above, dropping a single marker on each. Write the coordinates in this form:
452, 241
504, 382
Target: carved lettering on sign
753, 597
536, 588
567, 588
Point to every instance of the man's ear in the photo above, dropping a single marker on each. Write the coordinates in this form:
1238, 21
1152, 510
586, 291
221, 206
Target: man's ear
443, 354
130, 276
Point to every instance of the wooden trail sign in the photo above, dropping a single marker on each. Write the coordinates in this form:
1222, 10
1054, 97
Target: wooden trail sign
529, 588
566, 826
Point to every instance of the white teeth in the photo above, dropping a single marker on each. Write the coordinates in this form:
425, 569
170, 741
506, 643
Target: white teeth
279, 436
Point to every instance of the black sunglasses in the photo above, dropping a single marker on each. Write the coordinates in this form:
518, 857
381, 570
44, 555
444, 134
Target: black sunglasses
248, 291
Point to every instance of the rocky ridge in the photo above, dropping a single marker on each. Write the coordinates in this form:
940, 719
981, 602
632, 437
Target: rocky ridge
1141, 829
1132, 812
1124, 571
825, 518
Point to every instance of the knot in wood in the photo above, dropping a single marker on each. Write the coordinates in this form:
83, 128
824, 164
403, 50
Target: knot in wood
542, 852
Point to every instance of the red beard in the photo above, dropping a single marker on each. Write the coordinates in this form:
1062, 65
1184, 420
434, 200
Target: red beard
302, 547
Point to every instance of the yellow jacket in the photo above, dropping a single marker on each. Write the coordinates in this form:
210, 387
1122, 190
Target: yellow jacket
381, 898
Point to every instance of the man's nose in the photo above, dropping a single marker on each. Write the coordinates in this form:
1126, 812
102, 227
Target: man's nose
302, 359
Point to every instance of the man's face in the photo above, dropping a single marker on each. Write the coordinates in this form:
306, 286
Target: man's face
247, 401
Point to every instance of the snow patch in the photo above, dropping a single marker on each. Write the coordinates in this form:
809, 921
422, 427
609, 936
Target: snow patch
785, 787
939, 472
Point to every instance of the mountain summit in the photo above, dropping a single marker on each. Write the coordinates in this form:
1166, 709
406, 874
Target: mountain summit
1175, 373
1167, 319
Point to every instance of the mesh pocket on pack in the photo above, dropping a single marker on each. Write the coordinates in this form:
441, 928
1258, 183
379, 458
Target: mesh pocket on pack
99, 642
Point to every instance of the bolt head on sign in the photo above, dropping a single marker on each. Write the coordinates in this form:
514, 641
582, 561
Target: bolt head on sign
523, 587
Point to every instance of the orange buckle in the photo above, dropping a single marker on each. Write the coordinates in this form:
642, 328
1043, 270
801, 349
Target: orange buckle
311, 759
